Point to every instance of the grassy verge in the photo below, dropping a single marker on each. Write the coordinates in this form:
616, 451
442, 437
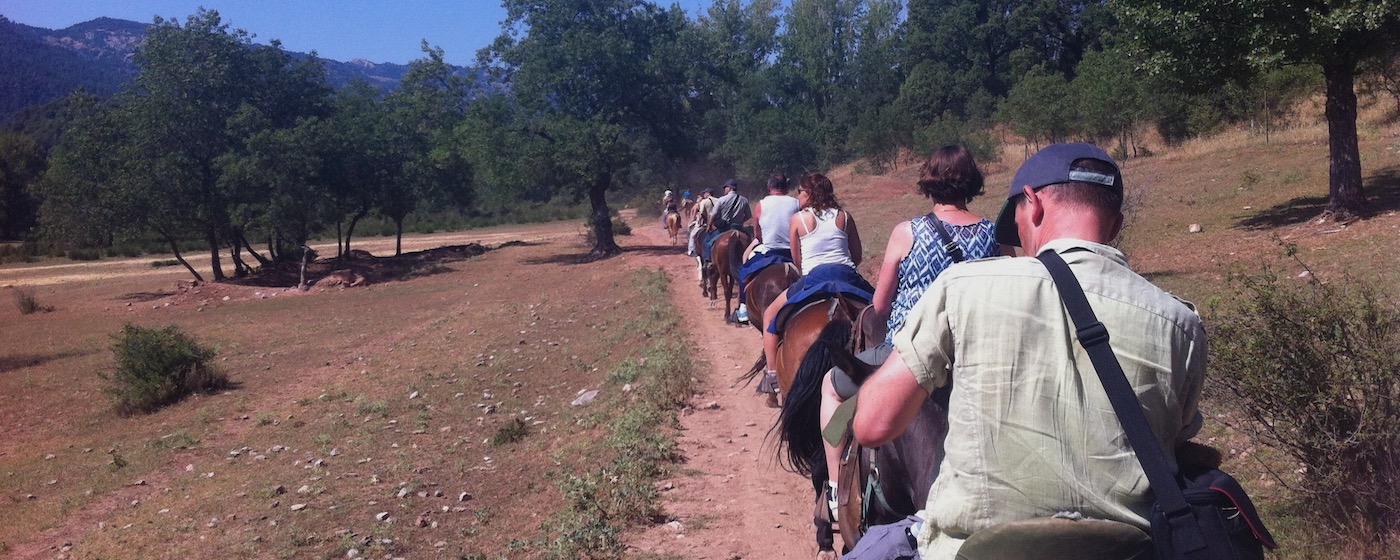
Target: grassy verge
638, 421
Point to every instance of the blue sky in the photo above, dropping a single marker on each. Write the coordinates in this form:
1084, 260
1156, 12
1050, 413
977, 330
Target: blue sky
376, 30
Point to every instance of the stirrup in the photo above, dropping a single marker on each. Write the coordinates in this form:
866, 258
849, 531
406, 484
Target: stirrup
769, 382
832, 502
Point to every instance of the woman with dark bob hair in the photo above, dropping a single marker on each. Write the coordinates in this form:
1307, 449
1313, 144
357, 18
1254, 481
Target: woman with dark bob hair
918, 251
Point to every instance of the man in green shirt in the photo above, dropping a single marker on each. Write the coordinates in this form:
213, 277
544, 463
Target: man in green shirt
1031, 431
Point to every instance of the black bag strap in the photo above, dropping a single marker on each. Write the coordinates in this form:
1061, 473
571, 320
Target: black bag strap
1094, 338
954, 250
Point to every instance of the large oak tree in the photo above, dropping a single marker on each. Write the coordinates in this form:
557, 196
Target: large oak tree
600, 84
1208, 43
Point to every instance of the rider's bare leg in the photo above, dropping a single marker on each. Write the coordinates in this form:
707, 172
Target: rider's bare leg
830, 400
770, 340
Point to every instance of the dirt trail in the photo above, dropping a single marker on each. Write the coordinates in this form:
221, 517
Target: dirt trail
109, 269
731, 499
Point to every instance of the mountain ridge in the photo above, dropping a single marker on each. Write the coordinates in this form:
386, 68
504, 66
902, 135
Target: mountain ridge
39, 65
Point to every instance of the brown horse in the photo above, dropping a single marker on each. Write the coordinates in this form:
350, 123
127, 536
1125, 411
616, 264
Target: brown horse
804, 354
725, 258
673, 225
765, 285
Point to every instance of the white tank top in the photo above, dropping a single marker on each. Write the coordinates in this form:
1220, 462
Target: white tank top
825, 244
774, 217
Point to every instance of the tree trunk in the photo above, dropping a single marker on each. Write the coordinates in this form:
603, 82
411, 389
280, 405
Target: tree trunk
603, 244
1345, 200
340, 245
214, 263
350, 230
175, 248
398, 237
263, 262
240, 268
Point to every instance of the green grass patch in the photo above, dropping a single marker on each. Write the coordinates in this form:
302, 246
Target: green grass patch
513, 431
639, 442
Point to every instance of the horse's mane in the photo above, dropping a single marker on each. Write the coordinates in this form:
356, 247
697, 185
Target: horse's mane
799, 423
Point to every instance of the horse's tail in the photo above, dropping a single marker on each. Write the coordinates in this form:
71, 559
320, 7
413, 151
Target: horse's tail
799, 423
759, 366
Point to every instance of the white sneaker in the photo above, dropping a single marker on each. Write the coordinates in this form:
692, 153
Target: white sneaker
743, 314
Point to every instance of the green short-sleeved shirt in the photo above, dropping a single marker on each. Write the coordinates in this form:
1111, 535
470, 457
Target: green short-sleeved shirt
1031, 431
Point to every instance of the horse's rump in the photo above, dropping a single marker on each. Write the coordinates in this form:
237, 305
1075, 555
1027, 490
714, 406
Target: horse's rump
726, 256
764, 286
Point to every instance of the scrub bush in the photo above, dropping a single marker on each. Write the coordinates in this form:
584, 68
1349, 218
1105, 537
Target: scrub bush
1311, 369
28, 303
156, 367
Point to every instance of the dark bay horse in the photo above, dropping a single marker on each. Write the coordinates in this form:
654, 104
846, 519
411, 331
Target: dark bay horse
814, 339
900, 472
726, 257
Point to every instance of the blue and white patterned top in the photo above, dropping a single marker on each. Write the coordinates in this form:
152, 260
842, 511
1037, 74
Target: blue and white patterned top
927, 259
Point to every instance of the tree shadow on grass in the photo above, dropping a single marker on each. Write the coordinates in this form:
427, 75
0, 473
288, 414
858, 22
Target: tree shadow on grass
1382, 192
372, 269
585, 258
21, 361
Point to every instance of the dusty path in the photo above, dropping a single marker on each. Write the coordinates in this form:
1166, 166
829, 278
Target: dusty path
21, 274
730, 500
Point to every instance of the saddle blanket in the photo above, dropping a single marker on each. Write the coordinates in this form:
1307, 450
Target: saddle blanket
761, 261
823, 282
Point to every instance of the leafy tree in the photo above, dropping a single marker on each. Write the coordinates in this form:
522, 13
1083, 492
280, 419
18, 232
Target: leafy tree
1041, 108
591, 81
194, 79
99, 186
276, 183
732, 47
358, 159
959, 52
1111, 101
874, 81
1207, 43
425, 165
21, 164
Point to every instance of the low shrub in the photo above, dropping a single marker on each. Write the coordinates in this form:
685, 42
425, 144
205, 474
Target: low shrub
84, 254
513, 431
1312, 368
19, 252
619, 227
27, 302
156, 367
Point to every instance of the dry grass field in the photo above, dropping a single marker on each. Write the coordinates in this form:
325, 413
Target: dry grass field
361, 420
361, 417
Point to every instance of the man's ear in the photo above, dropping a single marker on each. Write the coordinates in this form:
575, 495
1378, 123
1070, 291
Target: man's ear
1117, 227
1037, 205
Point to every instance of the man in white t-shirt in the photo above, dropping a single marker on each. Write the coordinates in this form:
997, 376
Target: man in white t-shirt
772, 217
